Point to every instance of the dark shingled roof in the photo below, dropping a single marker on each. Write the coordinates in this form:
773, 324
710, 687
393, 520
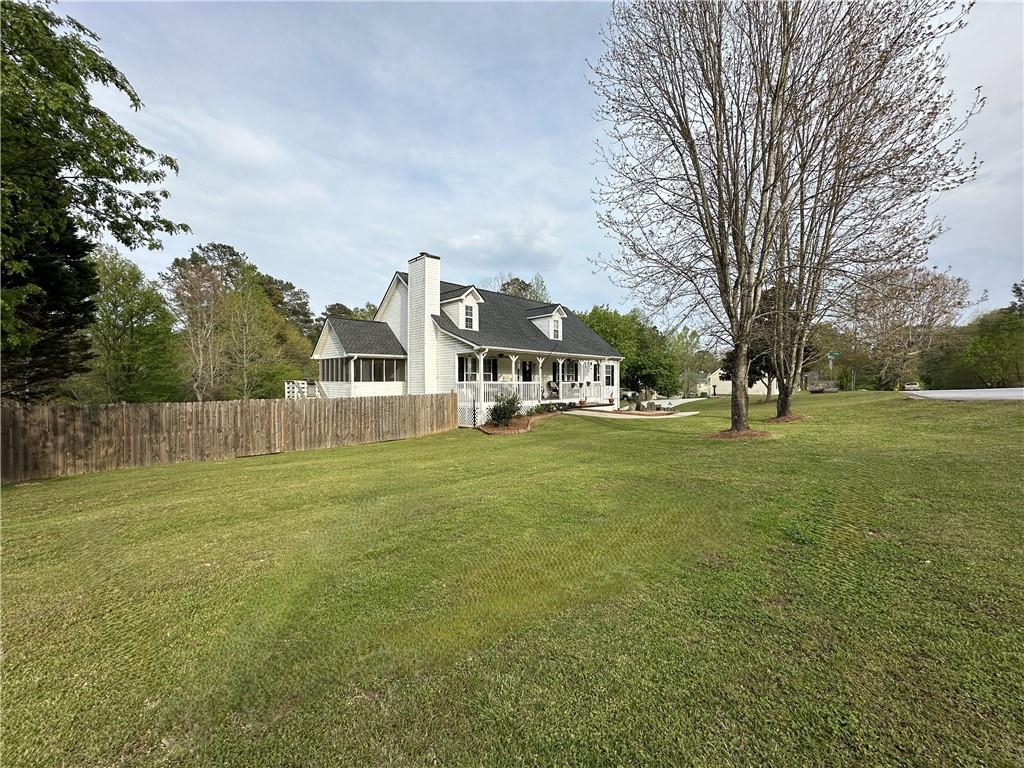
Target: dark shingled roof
505, 322
544, 310
366, 337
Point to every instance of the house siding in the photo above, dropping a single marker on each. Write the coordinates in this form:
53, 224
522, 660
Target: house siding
378, 388
336, 388
448, 349
452, 309
396, 312
719, 386
328, 345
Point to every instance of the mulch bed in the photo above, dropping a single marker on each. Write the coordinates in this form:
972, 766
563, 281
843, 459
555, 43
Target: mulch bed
728, 434
518, 426
786, 419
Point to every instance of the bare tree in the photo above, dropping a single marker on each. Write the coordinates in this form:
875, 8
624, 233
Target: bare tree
196, 287
792, 146
904, 315
692, 100
873, 136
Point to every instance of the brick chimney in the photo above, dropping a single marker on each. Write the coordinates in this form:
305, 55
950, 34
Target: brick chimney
424, 301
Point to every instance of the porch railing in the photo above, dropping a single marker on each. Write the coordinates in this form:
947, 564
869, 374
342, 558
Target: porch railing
534, 391
527, 390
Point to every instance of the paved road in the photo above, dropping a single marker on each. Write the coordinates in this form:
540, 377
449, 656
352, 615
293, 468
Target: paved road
1006, 393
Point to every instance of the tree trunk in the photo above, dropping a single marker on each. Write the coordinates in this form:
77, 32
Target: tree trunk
784, 405
739, 391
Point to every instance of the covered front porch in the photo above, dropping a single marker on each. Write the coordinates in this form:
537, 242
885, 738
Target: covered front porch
575, 380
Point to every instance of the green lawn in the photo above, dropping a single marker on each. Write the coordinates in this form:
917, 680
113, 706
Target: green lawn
595, 592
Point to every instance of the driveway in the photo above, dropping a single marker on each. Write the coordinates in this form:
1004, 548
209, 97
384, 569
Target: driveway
1004, 393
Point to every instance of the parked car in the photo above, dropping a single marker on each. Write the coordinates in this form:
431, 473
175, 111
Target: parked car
911, 386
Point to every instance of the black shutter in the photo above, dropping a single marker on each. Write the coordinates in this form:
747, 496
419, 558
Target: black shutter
462, 368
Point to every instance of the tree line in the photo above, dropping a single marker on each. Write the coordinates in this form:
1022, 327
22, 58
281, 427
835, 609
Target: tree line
212, 327
79, 320
768, 169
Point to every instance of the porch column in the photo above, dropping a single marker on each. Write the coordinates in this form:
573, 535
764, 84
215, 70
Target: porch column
480, 375
539, 378
561, 376
352, 374
515, 373
615, 381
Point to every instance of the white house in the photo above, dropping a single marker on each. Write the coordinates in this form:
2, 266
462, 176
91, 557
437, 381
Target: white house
715, 386
433, 336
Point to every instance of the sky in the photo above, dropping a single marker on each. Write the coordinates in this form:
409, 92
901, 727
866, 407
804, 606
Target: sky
331, 142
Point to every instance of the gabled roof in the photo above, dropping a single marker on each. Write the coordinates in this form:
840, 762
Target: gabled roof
505, 324
546, 311
366, 337
469, 290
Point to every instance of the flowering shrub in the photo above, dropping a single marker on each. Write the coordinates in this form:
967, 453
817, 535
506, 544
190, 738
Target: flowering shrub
505, 408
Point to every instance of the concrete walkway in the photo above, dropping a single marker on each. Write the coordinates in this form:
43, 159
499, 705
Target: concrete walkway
1004, 393
616, 415
672, 402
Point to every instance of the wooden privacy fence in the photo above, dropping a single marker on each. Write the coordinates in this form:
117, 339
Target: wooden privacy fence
56, 440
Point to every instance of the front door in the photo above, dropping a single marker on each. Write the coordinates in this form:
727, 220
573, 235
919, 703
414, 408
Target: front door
526, 370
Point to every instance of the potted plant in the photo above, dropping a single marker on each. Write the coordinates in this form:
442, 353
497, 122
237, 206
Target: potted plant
582, 403
611, 401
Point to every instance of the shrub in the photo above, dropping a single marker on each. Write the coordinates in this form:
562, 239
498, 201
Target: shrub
505, 408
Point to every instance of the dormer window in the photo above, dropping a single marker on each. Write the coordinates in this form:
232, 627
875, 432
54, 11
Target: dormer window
556, 328
469, 317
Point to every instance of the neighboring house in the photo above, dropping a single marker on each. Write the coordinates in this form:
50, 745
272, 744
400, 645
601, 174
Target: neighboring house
715, 386
433, 336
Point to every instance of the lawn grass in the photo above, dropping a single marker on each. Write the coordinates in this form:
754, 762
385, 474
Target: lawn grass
849, 591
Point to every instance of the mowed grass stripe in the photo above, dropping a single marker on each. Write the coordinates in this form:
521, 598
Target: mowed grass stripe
594, 592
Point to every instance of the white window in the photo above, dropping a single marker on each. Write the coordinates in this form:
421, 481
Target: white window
468, 368
556, 328
609, 375
469, 317
491, 369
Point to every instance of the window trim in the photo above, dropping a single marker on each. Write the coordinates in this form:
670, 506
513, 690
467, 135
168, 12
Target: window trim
468, 317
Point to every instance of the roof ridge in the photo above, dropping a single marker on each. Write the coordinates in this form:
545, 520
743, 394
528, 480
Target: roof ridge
355, 319
520, 298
